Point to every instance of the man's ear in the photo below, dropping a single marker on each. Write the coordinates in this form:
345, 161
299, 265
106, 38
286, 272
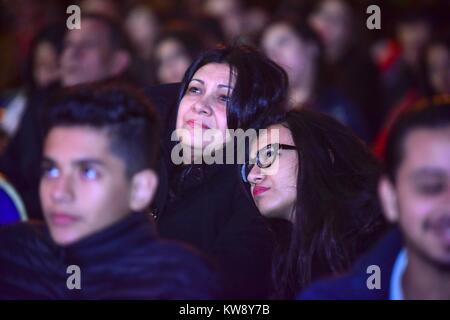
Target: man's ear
143, 188
388, 197
120, 62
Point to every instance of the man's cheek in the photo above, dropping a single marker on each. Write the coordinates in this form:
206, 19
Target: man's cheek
421, 207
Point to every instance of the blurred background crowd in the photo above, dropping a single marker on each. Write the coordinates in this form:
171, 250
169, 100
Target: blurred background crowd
335, 64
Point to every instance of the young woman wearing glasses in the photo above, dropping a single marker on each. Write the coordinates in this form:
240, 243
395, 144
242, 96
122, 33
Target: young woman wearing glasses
317, 183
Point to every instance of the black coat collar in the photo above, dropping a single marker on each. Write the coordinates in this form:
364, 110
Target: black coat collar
130, 231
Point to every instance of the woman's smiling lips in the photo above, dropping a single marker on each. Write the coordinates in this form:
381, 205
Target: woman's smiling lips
257, 190
192, 123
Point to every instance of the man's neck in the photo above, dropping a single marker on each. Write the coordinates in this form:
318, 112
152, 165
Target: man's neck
299, 96
424, 280
301, 90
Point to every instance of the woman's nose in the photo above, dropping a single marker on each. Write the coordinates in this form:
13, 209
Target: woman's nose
203, 106
255, 175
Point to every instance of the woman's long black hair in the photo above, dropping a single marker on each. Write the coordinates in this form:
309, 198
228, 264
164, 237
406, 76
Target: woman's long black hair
337, 212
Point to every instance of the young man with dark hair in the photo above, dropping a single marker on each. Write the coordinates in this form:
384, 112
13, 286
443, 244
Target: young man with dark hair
98, 180
413, 260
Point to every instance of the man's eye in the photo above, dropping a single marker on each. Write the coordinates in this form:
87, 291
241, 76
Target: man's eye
50, 172
431, 188
90, 173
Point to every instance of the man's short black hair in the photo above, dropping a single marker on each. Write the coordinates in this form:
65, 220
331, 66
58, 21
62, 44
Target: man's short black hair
122, 111
431, 113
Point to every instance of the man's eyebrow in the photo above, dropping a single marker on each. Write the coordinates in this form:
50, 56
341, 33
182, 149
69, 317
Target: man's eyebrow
86, 161
89, 161
47, 160
427, 172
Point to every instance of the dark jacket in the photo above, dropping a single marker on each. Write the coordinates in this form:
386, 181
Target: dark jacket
208, 207
124, 261
353, 285
335, 104
357, 78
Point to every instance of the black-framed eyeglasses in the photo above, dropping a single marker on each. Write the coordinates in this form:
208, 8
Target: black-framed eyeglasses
265, 157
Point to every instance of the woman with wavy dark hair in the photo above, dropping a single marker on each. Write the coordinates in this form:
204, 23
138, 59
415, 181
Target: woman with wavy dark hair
206, 205
317, 183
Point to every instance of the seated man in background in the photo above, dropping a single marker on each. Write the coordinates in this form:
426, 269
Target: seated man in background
413, 261
97, 183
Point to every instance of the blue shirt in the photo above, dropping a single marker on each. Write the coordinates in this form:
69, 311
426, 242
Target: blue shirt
396, 290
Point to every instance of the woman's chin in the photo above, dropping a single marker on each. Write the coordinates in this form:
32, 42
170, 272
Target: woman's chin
270, 209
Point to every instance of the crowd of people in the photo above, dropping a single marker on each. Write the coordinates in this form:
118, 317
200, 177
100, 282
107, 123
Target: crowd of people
349, 167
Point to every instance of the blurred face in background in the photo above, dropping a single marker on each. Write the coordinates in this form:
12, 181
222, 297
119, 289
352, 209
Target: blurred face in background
332, 21
204, 104
419, 201
274, 189
283, 46
413, 37
142, 28
229, 13
438, 63
255, 20
46, 68
107, 8
88, 54
172, 61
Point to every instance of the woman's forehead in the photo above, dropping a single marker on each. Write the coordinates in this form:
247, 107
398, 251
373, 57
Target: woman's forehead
273, 134
216, 71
